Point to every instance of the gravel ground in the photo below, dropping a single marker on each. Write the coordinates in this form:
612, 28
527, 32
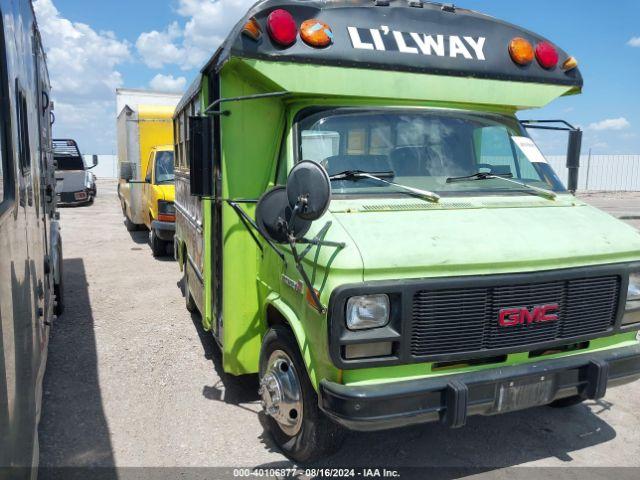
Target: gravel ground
133, 380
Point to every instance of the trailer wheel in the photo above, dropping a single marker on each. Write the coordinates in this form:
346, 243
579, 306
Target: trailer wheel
58, 288
290, 402
158, 246
190, 303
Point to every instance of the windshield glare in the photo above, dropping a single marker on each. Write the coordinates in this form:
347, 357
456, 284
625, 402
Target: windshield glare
422, 149
164, 167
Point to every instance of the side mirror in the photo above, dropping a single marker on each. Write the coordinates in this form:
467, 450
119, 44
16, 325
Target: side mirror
573, 158
285, 214
95, 160
201, 156
126, 171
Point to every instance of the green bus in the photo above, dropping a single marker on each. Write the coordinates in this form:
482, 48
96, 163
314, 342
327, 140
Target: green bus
364, 221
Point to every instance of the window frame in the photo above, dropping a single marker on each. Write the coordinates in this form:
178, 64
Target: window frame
7, 160
326, 111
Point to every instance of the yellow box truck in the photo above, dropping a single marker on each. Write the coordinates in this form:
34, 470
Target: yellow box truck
145, 158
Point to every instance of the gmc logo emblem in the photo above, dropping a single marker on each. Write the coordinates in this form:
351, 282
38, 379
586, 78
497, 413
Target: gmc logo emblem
510, 317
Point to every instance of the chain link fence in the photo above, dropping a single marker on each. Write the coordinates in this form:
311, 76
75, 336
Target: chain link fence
611, 173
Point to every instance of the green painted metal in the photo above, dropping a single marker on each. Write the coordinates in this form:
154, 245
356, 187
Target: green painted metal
459, 236
424, 370
318, 80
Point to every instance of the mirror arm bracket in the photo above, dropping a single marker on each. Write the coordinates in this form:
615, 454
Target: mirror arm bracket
250, 225
298, 260
258, 96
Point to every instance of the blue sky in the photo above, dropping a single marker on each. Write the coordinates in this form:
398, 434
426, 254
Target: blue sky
161, 43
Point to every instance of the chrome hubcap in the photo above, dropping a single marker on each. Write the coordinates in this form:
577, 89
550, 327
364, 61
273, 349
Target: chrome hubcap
281, 393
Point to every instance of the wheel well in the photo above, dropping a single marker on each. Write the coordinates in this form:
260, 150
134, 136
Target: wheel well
275, 318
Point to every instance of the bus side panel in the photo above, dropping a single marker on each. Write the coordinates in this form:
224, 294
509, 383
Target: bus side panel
250, 140
189, 237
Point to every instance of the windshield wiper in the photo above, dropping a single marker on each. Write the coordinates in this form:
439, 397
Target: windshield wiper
379, 177
543, 192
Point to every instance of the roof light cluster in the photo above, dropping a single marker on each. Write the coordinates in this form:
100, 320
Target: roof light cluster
522, 52
283, 30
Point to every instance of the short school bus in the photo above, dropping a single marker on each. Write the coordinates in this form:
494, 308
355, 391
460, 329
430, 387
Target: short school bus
363, 220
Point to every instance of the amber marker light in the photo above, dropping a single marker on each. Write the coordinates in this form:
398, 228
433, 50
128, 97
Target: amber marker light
521, 51
252, 29
570, 64
316, 33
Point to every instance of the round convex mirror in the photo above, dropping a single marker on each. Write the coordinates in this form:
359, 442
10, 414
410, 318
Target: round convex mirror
272, 208
310, 181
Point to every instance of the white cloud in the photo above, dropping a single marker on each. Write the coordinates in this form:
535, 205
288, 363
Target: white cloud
83, 66
157, 48
611, 124
168, 83
207, 24
634, 42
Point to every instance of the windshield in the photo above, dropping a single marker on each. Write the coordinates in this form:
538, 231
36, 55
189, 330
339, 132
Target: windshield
164, 167
422, 149
69, 163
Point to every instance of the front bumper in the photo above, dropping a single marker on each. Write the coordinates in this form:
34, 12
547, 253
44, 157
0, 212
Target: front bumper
75, 198
164, 230
451, 399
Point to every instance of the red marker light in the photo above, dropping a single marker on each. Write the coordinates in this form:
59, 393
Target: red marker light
282, 27
547, 55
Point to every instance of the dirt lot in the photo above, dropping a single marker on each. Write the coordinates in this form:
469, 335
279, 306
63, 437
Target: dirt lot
133, 380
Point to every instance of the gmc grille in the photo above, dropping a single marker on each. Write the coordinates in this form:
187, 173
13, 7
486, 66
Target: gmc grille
466, 320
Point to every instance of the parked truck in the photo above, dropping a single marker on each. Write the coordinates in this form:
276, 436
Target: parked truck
145, 157
76, 182
364, 222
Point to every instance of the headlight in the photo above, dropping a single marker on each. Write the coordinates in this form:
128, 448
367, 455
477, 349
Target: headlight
632, 307
367, 311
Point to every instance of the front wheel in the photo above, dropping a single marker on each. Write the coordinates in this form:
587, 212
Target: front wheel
290, 402
158, 246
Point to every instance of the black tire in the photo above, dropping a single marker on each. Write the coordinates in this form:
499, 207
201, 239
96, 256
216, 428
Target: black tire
567, 402
189, 302
318, 436
58, 289
158, 246
129, 225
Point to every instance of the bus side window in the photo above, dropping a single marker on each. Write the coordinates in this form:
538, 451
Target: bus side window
23, 130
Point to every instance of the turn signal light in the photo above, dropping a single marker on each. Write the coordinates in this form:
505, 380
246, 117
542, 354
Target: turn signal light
521, 51
282, 27
316, 33
252, 29
164, 217
547, 55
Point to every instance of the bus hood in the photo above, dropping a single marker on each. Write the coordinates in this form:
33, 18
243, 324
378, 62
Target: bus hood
476, 241
73, 180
